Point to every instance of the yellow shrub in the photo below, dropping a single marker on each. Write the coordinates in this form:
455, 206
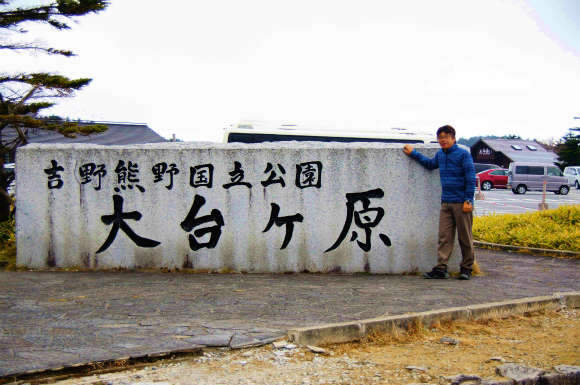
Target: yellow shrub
557, 229
8, 242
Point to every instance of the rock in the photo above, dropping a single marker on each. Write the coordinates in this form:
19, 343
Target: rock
553, 378
316, 349
290, 346
498, 358
417, 368
449, 341
566, 369
460, 378
247, 354
519, 372
280, 344
572, 373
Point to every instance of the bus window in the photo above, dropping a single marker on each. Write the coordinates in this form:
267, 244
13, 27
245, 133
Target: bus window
236, 137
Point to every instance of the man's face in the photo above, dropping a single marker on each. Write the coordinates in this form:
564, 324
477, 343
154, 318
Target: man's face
445, 140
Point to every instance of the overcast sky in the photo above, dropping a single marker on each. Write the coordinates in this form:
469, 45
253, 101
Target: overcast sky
191, 68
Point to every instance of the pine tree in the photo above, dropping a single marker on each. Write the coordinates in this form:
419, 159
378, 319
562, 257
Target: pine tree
24, 95
568, 149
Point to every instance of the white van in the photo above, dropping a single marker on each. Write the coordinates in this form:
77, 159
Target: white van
573, 175
524, 176
258, 132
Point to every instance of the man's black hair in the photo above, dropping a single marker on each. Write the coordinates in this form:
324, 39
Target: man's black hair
446, 129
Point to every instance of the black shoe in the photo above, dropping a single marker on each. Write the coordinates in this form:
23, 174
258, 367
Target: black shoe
465, 274
436, 273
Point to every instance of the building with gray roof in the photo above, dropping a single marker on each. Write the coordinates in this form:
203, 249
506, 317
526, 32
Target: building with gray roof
117, 134
504, 151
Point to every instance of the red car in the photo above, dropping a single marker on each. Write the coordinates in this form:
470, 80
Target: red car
489, 179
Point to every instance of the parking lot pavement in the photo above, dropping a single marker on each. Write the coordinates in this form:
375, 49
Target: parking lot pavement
504, 201
51, 319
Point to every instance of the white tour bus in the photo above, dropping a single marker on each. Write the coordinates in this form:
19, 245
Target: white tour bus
258, 132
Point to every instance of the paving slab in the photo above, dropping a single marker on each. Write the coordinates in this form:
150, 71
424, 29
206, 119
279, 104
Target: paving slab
50, 319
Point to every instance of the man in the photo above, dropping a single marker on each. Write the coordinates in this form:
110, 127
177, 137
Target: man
458, 188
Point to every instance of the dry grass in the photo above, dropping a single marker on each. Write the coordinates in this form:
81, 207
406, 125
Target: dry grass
542, 339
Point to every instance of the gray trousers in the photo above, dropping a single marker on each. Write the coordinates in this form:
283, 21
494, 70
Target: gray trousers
452, 217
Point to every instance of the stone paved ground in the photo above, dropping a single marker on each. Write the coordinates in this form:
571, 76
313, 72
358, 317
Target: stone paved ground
52, 318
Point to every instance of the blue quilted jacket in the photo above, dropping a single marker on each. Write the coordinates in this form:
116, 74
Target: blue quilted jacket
456, 172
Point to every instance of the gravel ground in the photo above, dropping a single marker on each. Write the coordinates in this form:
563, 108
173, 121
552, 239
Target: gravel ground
425, 356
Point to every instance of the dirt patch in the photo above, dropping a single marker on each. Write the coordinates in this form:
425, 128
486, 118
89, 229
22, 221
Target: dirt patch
426, 355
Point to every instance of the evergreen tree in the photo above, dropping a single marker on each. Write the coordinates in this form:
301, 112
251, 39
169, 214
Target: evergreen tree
24, 95
568, 149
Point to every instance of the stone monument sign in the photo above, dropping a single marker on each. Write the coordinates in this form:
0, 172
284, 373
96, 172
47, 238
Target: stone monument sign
276, 208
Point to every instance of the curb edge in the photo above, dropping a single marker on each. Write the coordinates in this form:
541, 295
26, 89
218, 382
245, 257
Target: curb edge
356, 330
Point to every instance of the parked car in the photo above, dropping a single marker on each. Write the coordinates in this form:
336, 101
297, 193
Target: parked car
524, 176
494, 178
479, 167
573, 175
